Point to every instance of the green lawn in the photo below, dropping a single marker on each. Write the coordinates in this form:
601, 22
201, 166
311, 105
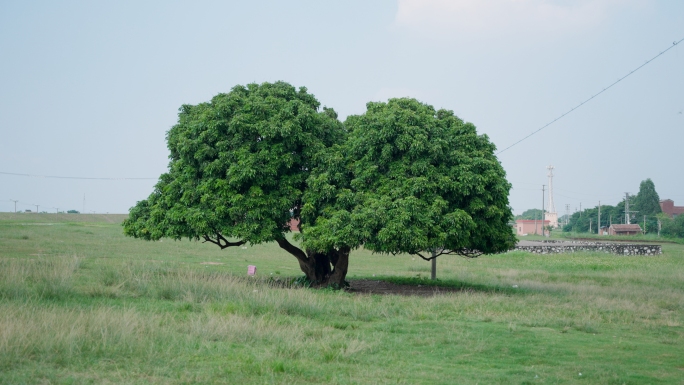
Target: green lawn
80, 303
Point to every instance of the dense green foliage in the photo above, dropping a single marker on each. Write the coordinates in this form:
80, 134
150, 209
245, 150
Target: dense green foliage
238, 166
530, 214
645, 203
672, 227
410, 179
401, 178
581, 221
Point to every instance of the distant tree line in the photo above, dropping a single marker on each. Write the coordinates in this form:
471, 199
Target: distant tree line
644, 210
672, 227
530, 214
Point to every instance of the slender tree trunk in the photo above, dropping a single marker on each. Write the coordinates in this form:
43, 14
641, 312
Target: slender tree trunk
433, 273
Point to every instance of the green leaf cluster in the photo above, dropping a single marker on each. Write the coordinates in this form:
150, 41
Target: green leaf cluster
400, 178
672, 227
238, 165
530, 214
409, 179
647, 201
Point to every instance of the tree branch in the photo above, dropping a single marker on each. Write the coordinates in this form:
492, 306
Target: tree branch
292, 249
462, 252
221, 241
468, 253
425, 258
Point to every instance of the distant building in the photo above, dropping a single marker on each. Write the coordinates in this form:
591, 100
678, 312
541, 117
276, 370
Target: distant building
624, 230
668, 207
553, 219
530, 226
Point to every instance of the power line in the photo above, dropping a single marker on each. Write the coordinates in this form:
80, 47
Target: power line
30, 204
585, 198
70, 177
595, 95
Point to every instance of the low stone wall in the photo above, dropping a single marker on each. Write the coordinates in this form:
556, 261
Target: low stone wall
612, 248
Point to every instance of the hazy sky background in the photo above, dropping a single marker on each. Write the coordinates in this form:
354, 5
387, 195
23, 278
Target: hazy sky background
89, 89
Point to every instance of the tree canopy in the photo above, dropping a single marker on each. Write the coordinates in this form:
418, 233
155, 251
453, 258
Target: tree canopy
672, 227
410, 179
238, 166
401, 178
530, 214
647, 201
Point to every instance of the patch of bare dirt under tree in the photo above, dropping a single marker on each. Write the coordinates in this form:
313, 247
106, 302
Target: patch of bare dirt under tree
369, 286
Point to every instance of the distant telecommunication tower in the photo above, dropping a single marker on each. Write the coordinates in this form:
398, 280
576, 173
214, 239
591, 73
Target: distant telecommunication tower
551, 213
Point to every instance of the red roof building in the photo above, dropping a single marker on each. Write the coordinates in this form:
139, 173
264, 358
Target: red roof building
624, 230
668, 207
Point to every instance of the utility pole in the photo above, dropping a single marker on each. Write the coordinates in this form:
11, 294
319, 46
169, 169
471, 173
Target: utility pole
659, 226
543, 212
15, 205
590, 219
644, 229
37, 207
553, 214
627, 208
83, 204
580, 209
567, 214
599, 219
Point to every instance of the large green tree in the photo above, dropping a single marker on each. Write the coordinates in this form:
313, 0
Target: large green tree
410, 179
238, 169
401, 178
647, 203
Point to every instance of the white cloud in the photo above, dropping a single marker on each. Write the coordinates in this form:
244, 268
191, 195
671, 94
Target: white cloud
504, 17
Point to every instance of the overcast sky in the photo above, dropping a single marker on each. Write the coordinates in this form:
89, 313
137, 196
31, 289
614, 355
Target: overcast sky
89, 89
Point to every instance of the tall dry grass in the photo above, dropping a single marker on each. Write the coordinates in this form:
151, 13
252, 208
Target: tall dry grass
46, 278
149, 317
185, 312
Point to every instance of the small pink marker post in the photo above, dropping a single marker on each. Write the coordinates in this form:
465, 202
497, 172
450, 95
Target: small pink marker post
251, 270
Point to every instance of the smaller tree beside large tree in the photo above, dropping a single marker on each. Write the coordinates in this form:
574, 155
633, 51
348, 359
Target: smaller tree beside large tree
410, 179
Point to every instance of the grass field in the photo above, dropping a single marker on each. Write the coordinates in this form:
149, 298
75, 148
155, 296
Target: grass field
80, 303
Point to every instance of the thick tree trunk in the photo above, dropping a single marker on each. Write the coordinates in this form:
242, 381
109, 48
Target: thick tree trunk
322, 269
339, 273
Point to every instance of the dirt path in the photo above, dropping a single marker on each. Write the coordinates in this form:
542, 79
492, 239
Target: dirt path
368, 286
